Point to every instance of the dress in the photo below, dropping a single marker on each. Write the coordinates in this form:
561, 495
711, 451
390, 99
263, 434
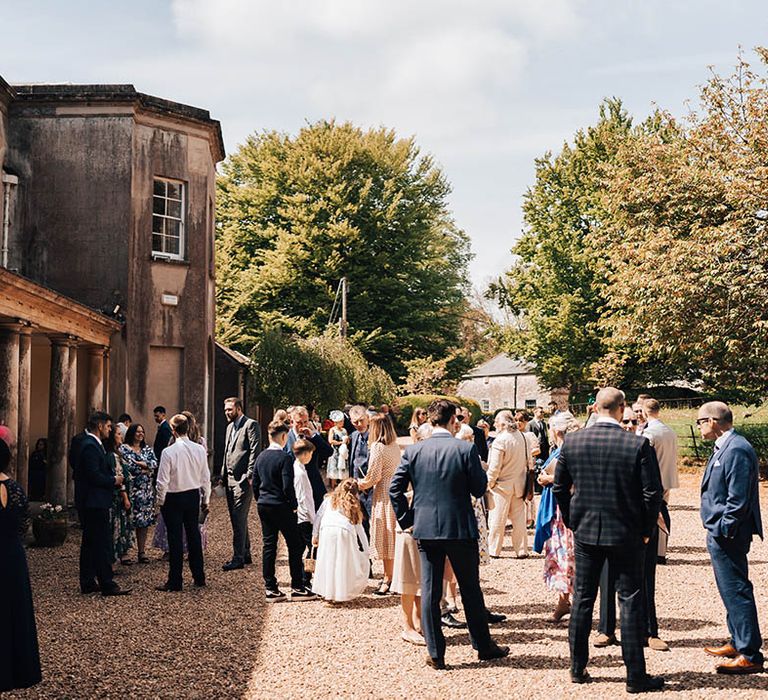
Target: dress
337, 462
142, 488
19, 653
383, 461
122, 522
341, 568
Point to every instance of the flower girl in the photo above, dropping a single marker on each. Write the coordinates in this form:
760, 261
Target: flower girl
341, 570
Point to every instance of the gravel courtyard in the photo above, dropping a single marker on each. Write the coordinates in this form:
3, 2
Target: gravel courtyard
225, 642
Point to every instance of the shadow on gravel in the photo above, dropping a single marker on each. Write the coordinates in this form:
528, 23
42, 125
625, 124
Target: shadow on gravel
687, 550
680, 507
526, 609
683, 624
707, 562
684, 681
507, 636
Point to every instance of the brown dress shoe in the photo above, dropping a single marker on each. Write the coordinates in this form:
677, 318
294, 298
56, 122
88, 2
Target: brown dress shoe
741, 664
727, 651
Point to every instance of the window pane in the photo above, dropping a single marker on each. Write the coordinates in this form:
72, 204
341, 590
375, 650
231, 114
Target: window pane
172, 228
174, 190
158, 205
172, 245
157, 243
174, 208
160, 188
157, 224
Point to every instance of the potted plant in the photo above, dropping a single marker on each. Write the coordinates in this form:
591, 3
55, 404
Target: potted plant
50, 526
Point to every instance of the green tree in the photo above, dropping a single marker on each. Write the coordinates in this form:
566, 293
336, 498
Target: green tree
297, 214
556, 285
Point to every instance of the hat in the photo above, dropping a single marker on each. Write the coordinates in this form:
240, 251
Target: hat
336, 416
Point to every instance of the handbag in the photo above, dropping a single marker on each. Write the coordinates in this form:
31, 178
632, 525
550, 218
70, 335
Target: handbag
309, 562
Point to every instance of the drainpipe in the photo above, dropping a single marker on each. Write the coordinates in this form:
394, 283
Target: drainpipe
8, 182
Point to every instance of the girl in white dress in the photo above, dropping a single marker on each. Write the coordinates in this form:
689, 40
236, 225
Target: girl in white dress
342, 567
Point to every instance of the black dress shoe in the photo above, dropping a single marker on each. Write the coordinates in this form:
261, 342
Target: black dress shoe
449, 620
437, 664
167, 587
231, 566
199, 584
661, 560
247, 561
493, 652
650, 684
116, 591
494, 618
90, 588
580, 677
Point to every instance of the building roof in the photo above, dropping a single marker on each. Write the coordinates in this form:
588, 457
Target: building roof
501, 366
234, 355
68, 93
6, 91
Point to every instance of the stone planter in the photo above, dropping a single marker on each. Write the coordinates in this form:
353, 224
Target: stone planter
49, 533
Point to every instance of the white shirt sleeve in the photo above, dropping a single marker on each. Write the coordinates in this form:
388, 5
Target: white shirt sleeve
163, 476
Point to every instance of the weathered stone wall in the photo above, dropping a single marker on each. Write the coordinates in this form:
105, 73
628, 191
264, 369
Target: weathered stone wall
505, 392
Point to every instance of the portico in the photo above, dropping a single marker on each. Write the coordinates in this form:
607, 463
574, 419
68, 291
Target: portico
54, 360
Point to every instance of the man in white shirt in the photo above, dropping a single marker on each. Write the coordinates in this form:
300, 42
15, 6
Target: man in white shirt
183, 488
664, 441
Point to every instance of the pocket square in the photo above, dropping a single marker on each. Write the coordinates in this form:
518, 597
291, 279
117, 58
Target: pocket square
717, 463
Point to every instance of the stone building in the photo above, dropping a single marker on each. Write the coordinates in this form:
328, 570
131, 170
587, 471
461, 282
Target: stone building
504, 382
107, 276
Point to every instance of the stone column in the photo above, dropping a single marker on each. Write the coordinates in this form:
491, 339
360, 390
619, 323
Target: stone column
96, 384
9, 396
72, 413
58, 419
25, 396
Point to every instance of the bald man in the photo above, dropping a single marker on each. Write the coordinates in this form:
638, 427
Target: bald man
608, 487
730, 512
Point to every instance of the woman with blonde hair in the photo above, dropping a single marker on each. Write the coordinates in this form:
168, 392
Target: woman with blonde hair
341, 569
418, 419
508, 465
383, 460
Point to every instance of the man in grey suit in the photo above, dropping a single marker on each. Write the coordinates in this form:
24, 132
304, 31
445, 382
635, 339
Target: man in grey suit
445, 473
241, 447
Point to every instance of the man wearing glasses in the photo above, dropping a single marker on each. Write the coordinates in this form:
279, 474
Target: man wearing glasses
730, 512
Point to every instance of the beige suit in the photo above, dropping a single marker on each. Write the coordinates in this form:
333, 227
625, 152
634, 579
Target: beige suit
664, 441
508, 465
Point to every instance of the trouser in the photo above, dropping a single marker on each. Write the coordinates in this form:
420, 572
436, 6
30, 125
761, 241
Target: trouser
729, 561
627, 566
181, 513
239, 499
607, 623
465, 560
274, 520
663, 536
96, 548
512, 507
305, 530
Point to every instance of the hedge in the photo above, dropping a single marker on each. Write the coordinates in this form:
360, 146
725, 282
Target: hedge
407, 404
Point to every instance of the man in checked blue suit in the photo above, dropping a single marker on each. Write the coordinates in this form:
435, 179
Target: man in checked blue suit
730, 512
444, 473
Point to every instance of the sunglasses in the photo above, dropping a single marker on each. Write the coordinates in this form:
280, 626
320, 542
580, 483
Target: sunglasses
699, 421
627, 422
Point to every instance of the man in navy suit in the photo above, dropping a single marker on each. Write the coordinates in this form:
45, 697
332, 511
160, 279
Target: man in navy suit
730, 511
94, 487
300, 428
358, 457
445, 473
164, 433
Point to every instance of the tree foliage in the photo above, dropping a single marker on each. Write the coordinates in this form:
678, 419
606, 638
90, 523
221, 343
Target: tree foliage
298, 213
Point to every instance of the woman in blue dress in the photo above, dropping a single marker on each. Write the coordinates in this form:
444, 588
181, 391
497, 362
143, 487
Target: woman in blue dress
142, 465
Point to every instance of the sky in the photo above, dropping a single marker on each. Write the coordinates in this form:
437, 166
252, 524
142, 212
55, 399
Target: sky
484, 86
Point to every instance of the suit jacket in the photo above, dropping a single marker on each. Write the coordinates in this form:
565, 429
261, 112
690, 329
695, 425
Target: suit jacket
94, 480
480, 442
241, 448
444, 473
540, 429
616, 486
730, 505
664, 440
323, 451
163, 437
358, 466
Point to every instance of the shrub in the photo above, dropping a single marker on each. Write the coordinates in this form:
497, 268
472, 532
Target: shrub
407, 404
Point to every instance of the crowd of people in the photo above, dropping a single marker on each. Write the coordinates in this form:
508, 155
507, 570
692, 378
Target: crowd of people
343, 494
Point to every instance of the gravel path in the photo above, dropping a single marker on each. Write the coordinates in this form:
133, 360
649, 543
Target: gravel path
225, 642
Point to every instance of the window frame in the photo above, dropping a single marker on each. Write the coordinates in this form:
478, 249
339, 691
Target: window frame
160, 254
485, 405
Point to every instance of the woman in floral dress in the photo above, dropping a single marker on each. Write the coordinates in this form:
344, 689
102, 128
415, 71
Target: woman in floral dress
142, 465
122, 522
552, 536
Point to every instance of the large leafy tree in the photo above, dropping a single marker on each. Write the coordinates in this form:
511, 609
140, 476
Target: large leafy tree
556, 285
298, 213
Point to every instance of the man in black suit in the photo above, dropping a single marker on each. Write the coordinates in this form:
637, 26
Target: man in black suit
164, 432
612, 512
479, 436
444, 473
540, 429
94, 488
